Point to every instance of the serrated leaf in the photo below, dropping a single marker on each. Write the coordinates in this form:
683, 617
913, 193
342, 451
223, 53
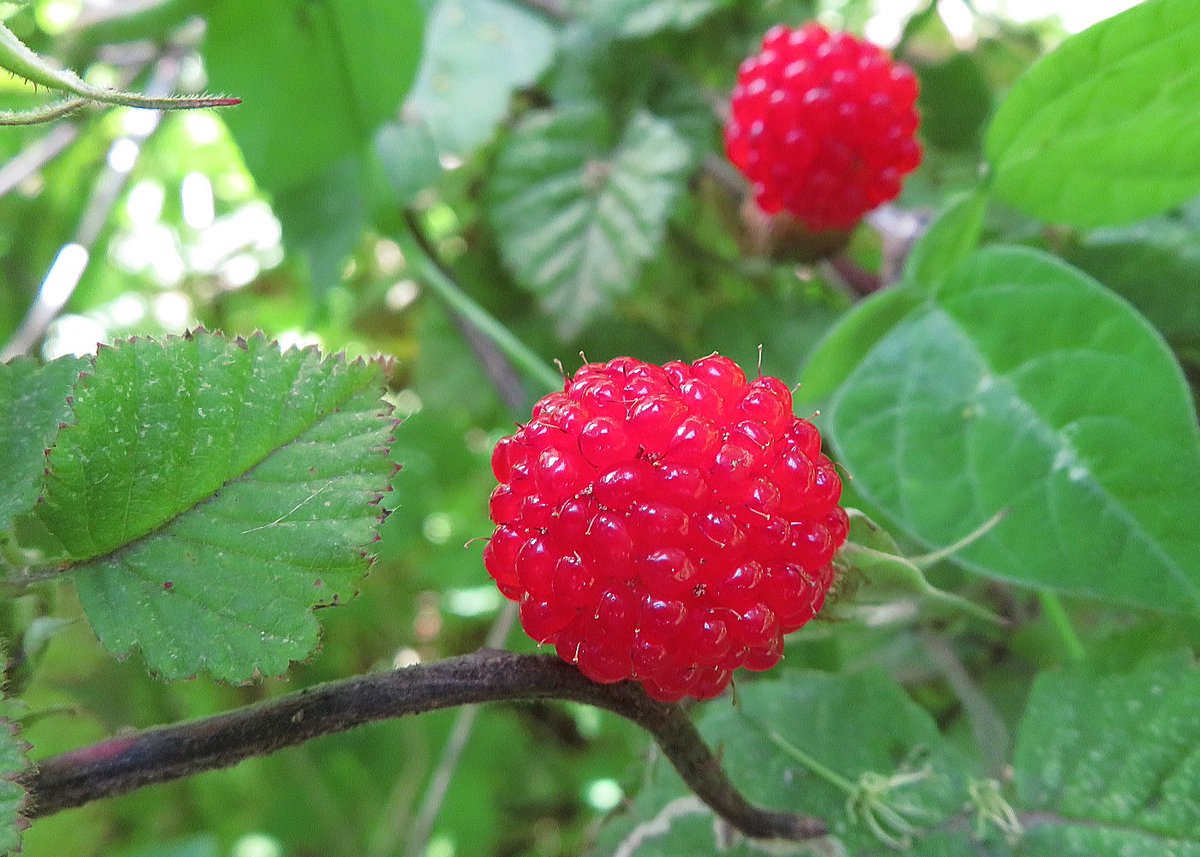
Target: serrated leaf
951, 237
1104, 129
33, 401
576, 216
1030, 387
1110, 764
477, 52
851, 724
211, 493
14, 759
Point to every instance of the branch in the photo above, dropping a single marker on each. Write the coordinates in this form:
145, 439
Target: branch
122, 764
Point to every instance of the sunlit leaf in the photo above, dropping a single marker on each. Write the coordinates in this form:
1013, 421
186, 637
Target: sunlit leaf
211, 493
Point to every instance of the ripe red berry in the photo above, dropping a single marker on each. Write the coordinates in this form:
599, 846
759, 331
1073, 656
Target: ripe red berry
823, 125
667, 524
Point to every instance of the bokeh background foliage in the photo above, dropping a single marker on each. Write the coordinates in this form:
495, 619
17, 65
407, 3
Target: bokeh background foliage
560, 158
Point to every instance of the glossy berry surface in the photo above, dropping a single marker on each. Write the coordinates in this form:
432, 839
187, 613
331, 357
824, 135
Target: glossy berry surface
667, 524
823, 125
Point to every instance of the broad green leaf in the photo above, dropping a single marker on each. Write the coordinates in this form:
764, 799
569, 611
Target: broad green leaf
848, 341
853, 725
33, 401
1110, 763
1156, 267
212, 492
316, 79
637, 18
477, 52
951, 237
1104, 129
1029, 387
576, 218
14, 758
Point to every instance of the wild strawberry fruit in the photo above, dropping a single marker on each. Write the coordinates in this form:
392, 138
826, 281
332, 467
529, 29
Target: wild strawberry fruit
667, 524
823, 126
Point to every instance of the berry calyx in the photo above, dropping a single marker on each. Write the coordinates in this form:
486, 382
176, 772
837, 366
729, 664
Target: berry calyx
823, 125
667, 524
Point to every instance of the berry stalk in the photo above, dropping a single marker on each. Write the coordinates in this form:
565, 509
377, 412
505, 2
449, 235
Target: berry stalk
123, 764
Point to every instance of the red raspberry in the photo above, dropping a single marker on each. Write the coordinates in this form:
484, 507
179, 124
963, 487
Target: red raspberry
665, 523
823, 126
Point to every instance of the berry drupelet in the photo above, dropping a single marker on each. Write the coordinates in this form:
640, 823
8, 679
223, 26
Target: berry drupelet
823, 125
667, 524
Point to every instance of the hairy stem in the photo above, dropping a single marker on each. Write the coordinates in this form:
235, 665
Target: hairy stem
128, 762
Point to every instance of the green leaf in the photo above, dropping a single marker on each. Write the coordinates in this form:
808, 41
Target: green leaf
212, 492
1156, 267
1027, 386
848, 341
322, 219
1103, 130
33, 401
315, 78
950, 238
477, 52
638, 18
852, 725
14, 759
408, 159
955, 101
1110, 764
576, 218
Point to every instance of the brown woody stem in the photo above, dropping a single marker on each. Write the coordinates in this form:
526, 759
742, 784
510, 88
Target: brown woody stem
122, 764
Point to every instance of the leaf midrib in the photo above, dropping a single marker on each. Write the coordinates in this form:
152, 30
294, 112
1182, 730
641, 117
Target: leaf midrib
350, 391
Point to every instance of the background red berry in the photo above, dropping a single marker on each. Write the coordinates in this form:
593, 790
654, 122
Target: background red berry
823, 125
665, 523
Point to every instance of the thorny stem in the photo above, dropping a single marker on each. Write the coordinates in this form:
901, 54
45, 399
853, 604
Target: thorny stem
122, 764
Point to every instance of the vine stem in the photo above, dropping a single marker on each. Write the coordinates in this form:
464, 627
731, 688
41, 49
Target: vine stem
1053, 607
128, 762
422, 257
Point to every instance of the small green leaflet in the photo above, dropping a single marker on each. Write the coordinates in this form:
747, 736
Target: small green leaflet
1104, 130
1026, 386
212, 492
577, 222
1110, 763
951, 237
33, 401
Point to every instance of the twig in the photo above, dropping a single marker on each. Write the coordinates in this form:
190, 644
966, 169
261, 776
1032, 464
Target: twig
123, 764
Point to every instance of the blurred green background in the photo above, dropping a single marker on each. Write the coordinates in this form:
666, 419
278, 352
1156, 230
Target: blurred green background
285, 215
